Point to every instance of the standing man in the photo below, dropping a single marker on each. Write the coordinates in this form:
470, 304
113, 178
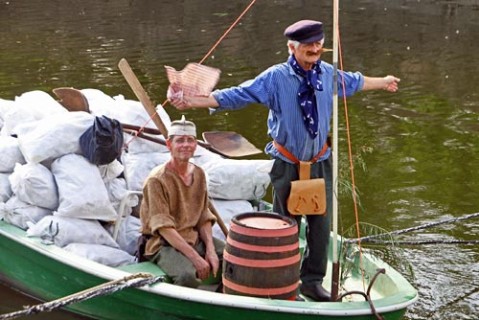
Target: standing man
299, 96
175, 216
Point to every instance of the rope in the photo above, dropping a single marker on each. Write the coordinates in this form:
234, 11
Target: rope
350, 158
421, 242
227, 31
135, 280
204, 58
420, 227
348, 134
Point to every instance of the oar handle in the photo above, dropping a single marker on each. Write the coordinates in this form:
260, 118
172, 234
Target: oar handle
140, 130
141, 94
220, 221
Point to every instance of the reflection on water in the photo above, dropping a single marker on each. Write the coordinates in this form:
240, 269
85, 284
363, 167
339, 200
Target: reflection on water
415, 151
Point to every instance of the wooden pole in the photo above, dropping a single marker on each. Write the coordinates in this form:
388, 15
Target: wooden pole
335, 275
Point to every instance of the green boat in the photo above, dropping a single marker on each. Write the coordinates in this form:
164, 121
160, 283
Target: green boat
371, 289
48, 272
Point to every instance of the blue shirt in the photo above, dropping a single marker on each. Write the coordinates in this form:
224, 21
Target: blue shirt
277, 88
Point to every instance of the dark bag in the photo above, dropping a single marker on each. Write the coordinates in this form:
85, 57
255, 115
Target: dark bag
141, 247
103, 141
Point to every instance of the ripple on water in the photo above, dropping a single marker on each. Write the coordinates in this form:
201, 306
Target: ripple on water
443, 278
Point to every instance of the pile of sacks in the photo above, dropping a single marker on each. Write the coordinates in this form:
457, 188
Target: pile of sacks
50, 189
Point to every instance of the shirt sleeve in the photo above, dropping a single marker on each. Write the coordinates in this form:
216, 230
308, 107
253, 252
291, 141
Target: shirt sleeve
353, 82
251, 91
158, 207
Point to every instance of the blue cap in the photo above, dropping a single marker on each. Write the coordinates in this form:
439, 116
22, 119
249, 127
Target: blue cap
305, 31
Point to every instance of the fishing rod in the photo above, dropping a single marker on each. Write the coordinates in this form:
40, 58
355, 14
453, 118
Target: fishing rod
421, 242
420, 227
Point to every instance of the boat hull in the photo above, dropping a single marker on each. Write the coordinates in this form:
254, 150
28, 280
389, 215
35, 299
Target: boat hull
47, 272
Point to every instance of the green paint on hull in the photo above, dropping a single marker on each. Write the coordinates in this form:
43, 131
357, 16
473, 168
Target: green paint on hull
48, 273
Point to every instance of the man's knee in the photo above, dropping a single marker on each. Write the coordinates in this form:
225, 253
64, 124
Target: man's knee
187, 279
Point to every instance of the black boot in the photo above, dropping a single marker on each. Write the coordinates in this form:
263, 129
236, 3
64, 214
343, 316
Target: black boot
315, 291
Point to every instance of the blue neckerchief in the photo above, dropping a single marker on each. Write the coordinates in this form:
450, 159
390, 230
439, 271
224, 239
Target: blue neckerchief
306, 95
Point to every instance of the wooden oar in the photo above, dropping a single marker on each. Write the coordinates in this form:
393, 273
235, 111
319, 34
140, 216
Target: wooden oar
72, 99
229, 144
141, 94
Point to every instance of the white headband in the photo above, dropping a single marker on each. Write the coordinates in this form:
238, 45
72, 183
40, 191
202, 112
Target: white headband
182, 128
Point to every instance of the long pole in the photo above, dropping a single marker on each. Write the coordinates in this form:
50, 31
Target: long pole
335, 275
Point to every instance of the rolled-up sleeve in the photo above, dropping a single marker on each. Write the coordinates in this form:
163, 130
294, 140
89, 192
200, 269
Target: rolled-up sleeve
353, 82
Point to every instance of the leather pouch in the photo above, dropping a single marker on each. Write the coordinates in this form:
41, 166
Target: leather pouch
307, 196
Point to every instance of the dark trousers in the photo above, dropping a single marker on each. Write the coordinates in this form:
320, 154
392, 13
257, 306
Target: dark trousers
314, 265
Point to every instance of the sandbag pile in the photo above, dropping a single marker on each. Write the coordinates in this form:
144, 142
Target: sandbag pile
49, 188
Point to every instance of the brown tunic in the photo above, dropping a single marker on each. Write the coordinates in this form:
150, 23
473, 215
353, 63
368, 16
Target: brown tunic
169, 203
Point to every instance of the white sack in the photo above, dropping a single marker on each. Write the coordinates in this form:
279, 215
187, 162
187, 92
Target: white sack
133, 112
138, 166
19, 213
5, 188
102, 254
117, 191
29, 107
5, 106
111, 171
40, 104
81, 190
227, 209
14, 118
53, 137
128, 234
140, 145
63, 230
238, 179
11, 154
202, 156
99, 103
34, 184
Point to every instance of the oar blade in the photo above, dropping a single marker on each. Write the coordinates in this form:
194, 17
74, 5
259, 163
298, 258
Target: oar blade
72, 99
230, 144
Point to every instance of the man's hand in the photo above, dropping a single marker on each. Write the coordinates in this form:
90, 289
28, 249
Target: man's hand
202, 268
388, 83
182, 101
175, 97
213, 260
391, 83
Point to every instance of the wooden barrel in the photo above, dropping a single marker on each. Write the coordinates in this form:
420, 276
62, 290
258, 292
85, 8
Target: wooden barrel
261, 256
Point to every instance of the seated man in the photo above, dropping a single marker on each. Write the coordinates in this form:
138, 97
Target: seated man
175, 216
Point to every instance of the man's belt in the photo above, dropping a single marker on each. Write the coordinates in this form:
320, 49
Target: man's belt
295, 160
